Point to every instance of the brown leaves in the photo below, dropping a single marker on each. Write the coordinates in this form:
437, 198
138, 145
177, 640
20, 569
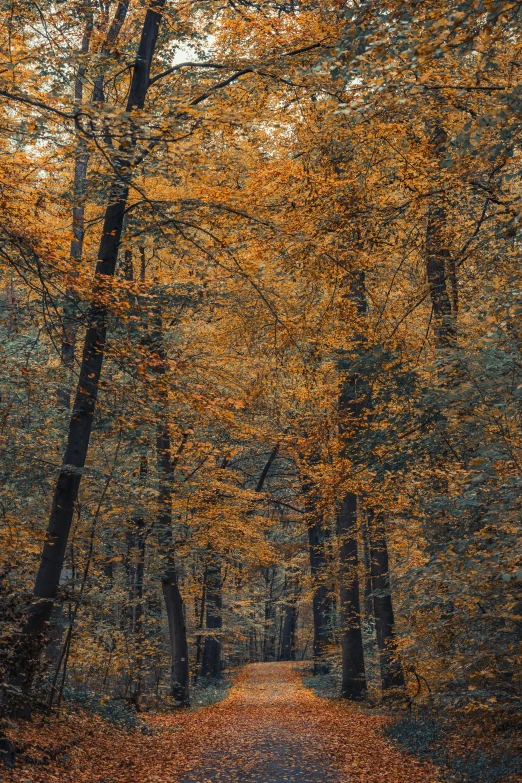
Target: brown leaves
270, 725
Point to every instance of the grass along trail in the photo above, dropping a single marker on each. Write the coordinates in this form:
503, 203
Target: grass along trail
269, 729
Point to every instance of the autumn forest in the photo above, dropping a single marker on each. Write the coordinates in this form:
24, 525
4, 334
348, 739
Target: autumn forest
260, 391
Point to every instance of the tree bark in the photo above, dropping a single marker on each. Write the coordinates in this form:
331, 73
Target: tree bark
354, 676
320, 602
70, 322
289, 624
68, 483
368, 590
439, 267
353, 399
392, 676
269, 636
179, 675
201, 620
211, 665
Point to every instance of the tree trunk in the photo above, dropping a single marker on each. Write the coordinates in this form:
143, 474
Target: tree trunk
179, 679
252, 646
289, 629
136, 540
392, 676
269, 632
70, 321
353, 399
179, 671
354, 676
211, 666
368, 590
201, 620
138, 577
439, 267
320, 603
68, 483
268, 635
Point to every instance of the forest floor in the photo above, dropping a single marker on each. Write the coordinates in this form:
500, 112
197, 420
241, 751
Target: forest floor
269, 729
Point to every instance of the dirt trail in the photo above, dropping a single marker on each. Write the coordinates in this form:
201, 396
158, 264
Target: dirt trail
270, 729
275, 733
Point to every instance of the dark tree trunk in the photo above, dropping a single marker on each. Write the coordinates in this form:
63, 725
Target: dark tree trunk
252, 647
353, 400
320, 600
108, 46
289, 617
392, 676
179, 671
354, 677
201, 621
368, 590
136, 540
269, 634
68, 483
134, 564
269, 637
179, 679
264, 473
211, 665
288, 634
70, 321
440, 268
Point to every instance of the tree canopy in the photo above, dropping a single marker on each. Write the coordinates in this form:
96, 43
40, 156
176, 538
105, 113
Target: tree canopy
260, 306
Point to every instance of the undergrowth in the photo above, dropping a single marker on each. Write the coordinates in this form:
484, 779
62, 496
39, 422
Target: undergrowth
209, 691
113, 710
465, 757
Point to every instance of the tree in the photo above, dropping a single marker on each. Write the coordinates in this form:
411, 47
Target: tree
66, 491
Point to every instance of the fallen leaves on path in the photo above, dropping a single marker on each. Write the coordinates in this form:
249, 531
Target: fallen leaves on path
269, 725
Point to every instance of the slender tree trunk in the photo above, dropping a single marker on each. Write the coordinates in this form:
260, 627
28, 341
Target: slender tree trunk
269, 634
211, 666
353, 399
354, 676
440, 270
139, 576
392, 676
368, 590
288, 635
68, 483
70, 323
70, 320
289, 624
264, 473
320, 602
252, 639
179, 678
200, 625
136, 541
136, 538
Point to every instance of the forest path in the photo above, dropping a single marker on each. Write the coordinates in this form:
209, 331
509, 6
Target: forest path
275, 733
269, 729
